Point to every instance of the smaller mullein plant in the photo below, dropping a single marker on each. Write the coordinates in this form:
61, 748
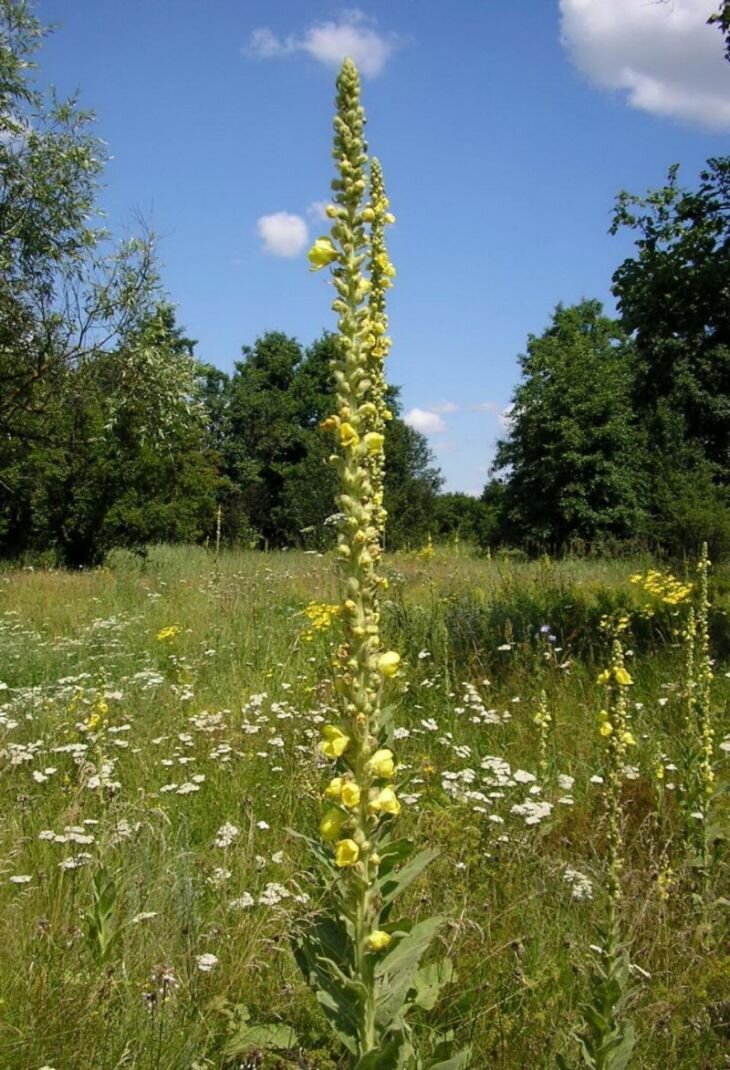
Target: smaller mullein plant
699, 734
606, 1039
543, 719
363, 961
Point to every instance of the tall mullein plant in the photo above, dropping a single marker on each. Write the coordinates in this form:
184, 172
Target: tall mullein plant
363, 963
607, 1038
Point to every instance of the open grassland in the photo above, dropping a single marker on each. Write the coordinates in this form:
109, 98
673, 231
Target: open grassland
159, 724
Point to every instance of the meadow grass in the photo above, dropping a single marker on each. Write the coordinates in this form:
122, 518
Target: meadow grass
159, 723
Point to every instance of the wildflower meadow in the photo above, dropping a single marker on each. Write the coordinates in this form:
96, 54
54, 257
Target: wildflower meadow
332, 809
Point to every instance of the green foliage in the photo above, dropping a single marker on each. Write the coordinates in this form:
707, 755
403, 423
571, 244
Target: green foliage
672, 295
102, 931
570, 453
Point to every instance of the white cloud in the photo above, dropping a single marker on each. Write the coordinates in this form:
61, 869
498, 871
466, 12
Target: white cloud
282, 233
505, 418
428, 423
486, 406
444, 407
317, 210
661, 52
330, 42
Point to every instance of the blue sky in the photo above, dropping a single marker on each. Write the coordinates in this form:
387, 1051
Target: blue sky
505, 131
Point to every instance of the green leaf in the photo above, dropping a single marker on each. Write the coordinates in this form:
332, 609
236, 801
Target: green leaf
430, 980
460, 1061
394, 1053
280, 1037
394, 883
395, 973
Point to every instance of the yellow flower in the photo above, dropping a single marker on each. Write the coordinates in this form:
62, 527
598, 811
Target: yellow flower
334, 788
374, 441
331, 824
381, 764
348, 435
388, 663
606, 728
350, 794
346, 853
378, 940
627, 739
335, 742
385, 802
603, 677
321, 254
167, 633
622, 677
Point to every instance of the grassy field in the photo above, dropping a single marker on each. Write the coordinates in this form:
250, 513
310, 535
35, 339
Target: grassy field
158, 738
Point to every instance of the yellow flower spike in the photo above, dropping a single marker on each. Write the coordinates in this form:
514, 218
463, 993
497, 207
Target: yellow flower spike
385, 802
381, 764
331, 824
346, 853
321, 254
335, 742
388, 663
350, 795
348, 435
378, 940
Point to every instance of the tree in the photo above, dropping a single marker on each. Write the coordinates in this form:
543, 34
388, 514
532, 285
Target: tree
127, 463
569, 460
674, 298
721, 18
65, 295
276, 456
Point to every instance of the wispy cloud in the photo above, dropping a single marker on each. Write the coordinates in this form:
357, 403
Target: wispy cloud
352, 34
282, 233
505, 418
486, 406
662, 54
317, 211
444, 407
428, 423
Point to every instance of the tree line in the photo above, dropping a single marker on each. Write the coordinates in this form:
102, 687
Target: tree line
114, 433
620, 427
